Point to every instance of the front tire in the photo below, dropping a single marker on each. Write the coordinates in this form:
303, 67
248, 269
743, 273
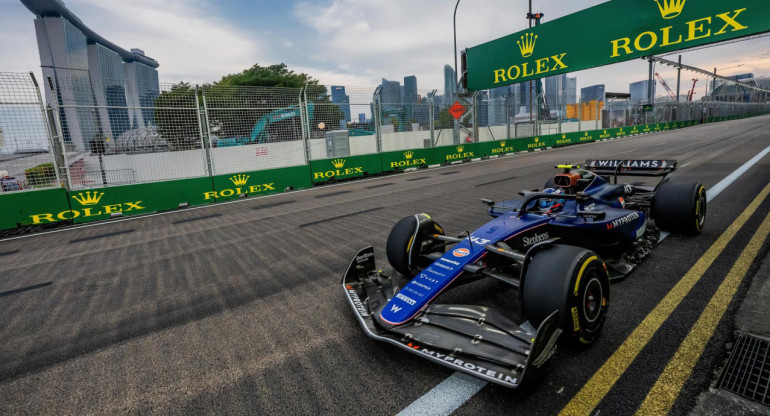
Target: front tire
573, 281
409, 240
680, 207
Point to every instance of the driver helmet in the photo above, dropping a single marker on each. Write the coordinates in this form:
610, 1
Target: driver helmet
550, 203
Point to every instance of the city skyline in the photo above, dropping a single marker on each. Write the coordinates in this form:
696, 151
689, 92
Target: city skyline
202, 41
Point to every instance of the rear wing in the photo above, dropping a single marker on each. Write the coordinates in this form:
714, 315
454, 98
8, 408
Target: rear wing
630, 167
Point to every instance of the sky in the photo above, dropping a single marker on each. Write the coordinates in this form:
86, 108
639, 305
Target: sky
338, 42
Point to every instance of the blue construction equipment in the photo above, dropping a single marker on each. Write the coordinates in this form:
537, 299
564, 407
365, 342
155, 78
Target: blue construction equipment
260, 133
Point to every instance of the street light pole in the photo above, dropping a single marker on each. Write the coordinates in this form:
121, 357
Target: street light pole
454, 25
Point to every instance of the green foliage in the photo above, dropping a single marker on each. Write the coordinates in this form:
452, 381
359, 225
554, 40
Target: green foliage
40, 175
271, 76
444, 119
176, 117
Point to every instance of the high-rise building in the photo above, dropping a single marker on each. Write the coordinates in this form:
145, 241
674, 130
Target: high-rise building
342, 100
362, 118
390, 95
450, 83
570, 91
89, 71
592, 93
411, 98
639, 92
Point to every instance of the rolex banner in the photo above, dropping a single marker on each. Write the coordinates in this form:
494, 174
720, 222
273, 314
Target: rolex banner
612, 32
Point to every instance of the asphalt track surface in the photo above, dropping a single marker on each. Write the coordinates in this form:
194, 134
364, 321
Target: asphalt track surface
237, 308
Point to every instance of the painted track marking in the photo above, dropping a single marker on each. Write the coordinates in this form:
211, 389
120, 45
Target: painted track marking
664, 393
602, 381
446, 397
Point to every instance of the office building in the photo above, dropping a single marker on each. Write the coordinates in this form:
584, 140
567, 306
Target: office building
410, 97
390, 95
91, 72
450, 83
342, 100
362, 118
592, 93
639, 92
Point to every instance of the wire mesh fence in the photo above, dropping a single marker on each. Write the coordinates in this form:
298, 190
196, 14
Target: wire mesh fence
253, 128
117, 133
129, 132
26, 159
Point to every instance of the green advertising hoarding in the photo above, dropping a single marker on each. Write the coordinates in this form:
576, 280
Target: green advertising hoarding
456, 153
612, 32
349, 167
258, 183
19, 208
405, 159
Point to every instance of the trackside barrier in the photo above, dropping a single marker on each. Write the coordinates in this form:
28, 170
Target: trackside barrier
85, 205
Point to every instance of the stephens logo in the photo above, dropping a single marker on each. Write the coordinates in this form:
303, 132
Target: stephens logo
460, 252
537, 238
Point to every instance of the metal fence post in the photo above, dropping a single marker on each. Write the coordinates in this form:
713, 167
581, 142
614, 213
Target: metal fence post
432, 117
377, 120
508, 115
304, 121
58, 160
203, 126
475, 118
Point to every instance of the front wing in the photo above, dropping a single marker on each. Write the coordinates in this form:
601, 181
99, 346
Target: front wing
472, 339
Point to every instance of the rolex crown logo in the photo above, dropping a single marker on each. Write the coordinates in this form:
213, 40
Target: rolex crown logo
408, 154
502, 143
239, 180
460, 149
586, 133
563, 136
537, 139
670, 9
527, 43
88, 198
605, 131
338, 163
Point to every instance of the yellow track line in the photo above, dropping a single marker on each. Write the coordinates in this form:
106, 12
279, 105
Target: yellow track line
667, 388
602, 381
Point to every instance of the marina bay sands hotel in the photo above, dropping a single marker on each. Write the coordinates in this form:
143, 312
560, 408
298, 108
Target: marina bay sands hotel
91, 73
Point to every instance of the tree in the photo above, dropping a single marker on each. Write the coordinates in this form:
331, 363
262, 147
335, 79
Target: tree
271, 76
223, 98
176, 117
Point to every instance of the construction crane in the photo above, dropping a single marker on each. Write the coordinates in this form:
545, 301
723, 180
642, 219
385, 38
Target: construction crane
692, 91
665, 85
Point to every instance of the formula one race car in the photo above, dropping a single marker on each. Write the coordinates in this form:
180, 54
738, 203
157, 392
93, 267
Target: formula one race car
559, 248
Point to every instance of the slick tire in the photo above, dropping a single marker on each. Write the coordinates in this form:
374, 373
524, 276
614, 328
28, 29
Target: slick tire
573, 281
680, 207
408, 240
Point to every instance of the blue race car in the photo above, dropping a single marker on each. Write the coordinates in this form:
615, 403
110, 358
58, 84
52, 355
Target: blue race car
559, 248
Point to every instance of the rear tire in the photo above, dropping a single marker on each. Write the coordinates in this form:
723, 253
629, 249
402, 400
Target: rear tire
409, 240
680, 207
574, 281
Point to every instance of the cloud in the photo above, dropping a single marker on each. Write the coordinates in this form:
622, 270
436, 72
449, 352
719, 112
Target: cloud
188, 41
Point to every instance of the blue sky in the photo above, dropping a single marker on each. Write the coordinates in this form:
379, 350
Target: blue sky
347, 42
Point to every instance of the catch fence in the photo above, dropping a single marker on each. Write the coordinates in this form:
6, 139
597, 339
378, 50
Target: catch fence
115, 148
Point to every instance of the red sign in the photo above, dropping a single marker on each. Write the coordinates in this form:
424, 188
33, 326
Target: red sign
457, 110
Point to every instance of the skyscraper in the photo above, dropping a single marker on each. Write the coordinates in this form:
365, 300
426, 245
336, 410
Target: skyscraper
592, 93
390, 95
88, 71
639, 92
555, 88
570, 91
411, 98
342, 100
450, 83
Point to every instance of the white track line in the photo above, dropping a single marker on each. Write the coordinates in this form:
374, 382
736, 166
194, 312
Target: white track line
459, 387
446, 397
